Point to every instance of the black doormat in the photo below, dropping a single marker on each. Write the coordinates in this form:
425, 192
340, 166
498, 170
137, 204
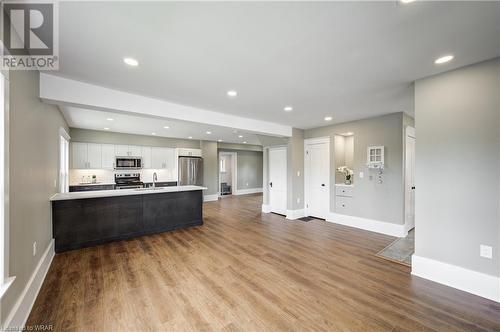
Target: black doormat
306, 219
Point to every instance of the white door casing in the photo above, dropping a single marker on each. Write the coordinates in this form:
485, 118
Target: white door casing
278, 180
410, 178
317, 177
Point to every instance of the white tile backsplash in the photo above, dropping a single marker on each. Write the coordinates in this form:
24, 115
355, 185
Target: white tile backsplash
108, 176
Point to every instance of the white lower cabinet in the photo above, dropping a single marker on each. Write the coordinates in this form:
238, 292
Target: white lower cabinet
344, 199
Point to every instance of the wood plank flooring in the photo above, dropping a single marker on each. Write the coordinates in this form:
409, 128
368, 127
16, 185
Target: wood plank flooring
243, 270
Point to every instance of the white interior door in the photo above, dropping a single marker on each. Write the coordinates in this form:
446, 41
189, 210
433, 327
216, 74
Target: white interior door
410, 179
317, 178
277, 180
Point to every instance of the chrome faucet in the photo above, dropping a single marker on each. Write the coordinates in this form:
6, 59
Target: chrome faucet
155, 178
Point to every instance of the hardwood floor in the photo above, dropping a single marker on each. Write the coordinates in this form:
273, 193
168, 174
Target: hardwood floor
243, 270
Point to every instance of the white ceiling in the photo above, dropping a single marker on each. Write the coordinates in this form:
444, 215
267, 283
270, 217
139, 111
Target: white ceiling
344, 59
142, 125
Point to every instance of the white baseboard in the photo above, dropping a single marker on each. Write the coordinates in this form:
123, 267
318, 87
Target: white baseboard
266, 208
17, 317
368, 224
295, 214
473, 282
210, 198
247, 191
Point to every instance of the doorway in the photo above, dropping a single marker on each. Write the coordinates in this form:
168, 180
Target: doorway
410, 140
317, 177
228, 168
277, 180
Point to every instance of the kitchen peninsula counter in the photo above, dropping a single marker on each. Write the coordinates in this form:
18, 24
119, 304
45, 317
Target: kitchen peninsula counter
83, 219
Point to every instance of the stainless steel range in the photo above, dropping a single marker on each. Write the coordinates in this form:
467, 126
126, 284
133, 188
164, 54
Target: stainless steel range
128, 181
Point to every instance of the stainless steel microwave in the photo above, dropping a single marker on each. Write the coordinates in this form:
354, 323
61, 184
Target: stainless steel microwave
128, 163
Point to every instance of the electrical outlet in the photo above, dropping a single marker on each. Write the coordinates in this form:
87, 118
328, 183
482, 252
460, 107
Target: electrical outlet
298, 173
361, 175
486, 251
34, 248
298, 199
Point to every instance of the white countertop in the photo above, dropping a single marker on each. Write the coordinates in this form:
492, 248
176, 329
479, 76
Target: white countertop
122, 192
92, 184
343, 185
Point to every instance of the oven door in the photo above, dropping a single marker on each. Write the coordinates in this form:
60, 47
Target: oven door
128, 163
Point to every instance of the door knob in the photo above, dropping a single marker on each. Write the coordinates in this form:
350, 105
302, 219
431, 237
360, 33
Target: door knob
322, 184
271, 184
413, 187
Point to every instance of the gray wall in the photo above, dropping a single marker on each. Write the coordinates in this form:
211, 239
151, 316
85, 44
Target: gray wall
34, 140
210, 167
97, 136
457, 118
249, 168
383, 202
295, 168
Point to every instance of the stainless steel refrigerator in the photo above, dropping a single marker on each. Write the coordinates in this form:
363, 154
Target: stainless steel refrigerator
190, 171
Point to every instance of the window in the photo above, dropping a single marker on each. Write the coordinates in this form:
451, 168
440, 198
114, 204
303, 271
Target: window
63, 161
223, 165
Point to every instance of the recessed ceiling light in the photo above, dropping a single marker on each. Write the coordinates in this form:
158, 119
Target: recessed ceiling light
219, 140
240, 136
190, 137
209, 132
328, 118
110, 119
245, 142
232, 93
288, 108
131, 62
349, 133
443, 59
153, 134
166, 127
106, 128
407, 1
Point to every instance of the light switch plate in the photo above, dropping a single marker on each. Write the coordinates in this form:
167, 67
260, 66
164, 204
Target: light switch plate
486, 251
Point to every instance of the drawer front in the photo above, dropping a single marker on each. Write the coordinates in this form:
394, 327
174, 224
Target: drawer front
343, 191
91, 188
343, 205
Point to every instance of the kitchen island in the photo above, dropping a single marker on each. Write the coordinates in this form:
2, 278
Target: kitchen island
83, 219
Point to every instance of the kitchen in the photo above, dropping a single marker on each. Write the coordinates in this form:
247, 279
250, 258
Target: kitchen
96, 210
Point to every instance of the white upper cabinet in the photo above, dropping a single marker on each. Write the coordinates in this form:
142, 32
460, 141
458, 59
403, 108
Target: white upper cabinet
128, 150
108, 156
159, 157
79, 155
94, 157
189, 152
86, 155
102, 156
121, 150
135, 150
146, 157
